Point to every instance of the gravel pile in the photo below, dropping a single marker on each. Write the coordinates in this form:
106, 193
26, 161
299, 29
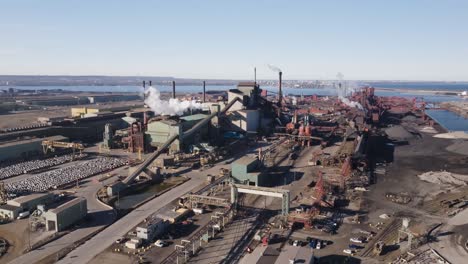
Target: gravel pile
453, 135
398, 133
459, 147
409, 118
28, 166
53, 179
428, 129
444, 177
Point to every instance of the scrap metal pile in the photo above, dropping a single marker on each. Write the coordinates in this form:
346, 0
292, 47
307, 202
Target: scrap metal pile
33, 165
55, 178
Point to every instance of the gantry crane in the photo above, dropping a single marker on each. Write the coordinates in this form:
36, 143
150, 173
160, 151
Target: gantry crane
52, 145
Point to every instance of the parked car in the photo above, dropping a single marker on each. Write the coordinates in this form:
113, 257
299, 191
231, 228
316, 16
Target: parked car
297, 243
352, 246
313, 243
319, 244
120, 240
161, 243
348, 251
356, 240
23, 215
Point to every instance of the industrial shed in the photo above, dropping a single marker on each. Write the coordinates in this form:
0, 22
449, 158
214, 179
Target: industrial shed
30, 202
9, 211
244, 170
65, 215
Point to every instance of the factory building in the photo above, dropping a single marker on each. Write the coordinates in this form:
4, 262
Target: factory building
24, 148
30, 202
160, 130
9, 211
152, 228
246, 171
65, 215
246, 120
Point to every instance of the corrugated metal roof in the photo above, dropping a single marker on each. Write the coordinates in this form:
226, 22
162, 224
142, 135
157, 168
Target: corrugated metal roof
31, 197
194, 117
66, 205
245, 160
9, 207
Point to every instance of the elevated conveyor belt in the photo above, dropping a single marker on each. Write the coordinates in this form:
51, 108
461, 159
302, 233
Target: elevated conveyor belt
187, 134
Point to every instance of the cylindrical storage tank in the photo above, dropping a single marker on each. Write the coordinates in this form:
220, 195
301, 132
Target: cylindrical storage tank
308, 131
301, 130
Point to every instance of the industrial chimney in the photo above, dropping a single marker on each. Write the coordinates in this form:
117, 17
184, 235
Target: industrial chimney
173, 89
144, 91
280, 92
204, 92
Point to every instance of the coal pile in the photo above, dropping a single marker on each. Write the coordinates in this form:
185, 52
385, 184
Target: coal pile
459, 147
398, 133
55, 178
33, 165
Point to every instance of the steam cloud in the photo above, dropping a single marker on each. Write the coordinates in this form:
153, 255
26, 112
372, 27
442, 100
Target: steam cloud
172, 107
274, 68
346, 88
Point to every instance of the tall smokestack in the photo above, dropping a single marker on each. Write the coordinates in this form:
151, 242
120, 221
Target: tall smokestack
280, 91
255, 75
204, 91
144, 90
173, 89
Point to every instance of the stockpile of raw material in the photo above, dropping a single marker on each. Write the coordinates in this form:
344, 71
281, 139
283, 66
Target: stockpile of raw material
428, 129
453, 135
398, 133
460, 147
444, 177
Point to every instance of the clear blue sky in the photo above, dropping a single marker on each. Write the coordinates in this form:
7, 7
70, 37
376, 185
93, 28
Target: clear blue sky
403, 39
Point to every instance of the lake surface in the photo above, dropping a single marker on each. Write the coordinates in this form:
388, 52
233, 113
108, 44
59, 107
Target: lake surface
449, 120
287, 91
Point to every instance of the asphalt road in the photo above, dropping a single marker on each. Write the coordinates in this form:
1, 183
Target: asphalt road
105, 238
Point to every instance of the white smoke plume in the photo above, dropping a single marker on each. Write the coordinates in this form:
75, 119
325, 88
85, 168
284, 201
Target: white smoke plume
172, 107
274, 68
346, 88
294, 100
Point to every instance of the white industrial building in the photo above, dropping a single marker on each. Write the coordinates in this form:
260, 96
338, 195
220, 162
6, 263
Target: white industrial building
9, 211
152, 228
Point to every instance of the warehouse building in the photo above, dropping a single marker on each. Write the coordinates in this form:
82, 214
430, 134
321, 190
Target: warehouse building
152, 228
245, 171
9, 211
24, 148
30, 202
65, 215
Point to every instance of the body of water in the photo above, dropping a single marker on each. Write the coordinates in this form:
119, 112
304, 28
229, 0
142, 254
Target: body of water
198, 89
449, 120
438, 86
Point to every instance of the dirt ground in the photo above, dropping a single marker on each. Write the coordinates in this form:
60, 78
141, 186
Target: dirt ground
17, 242
25, 118
419, 156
